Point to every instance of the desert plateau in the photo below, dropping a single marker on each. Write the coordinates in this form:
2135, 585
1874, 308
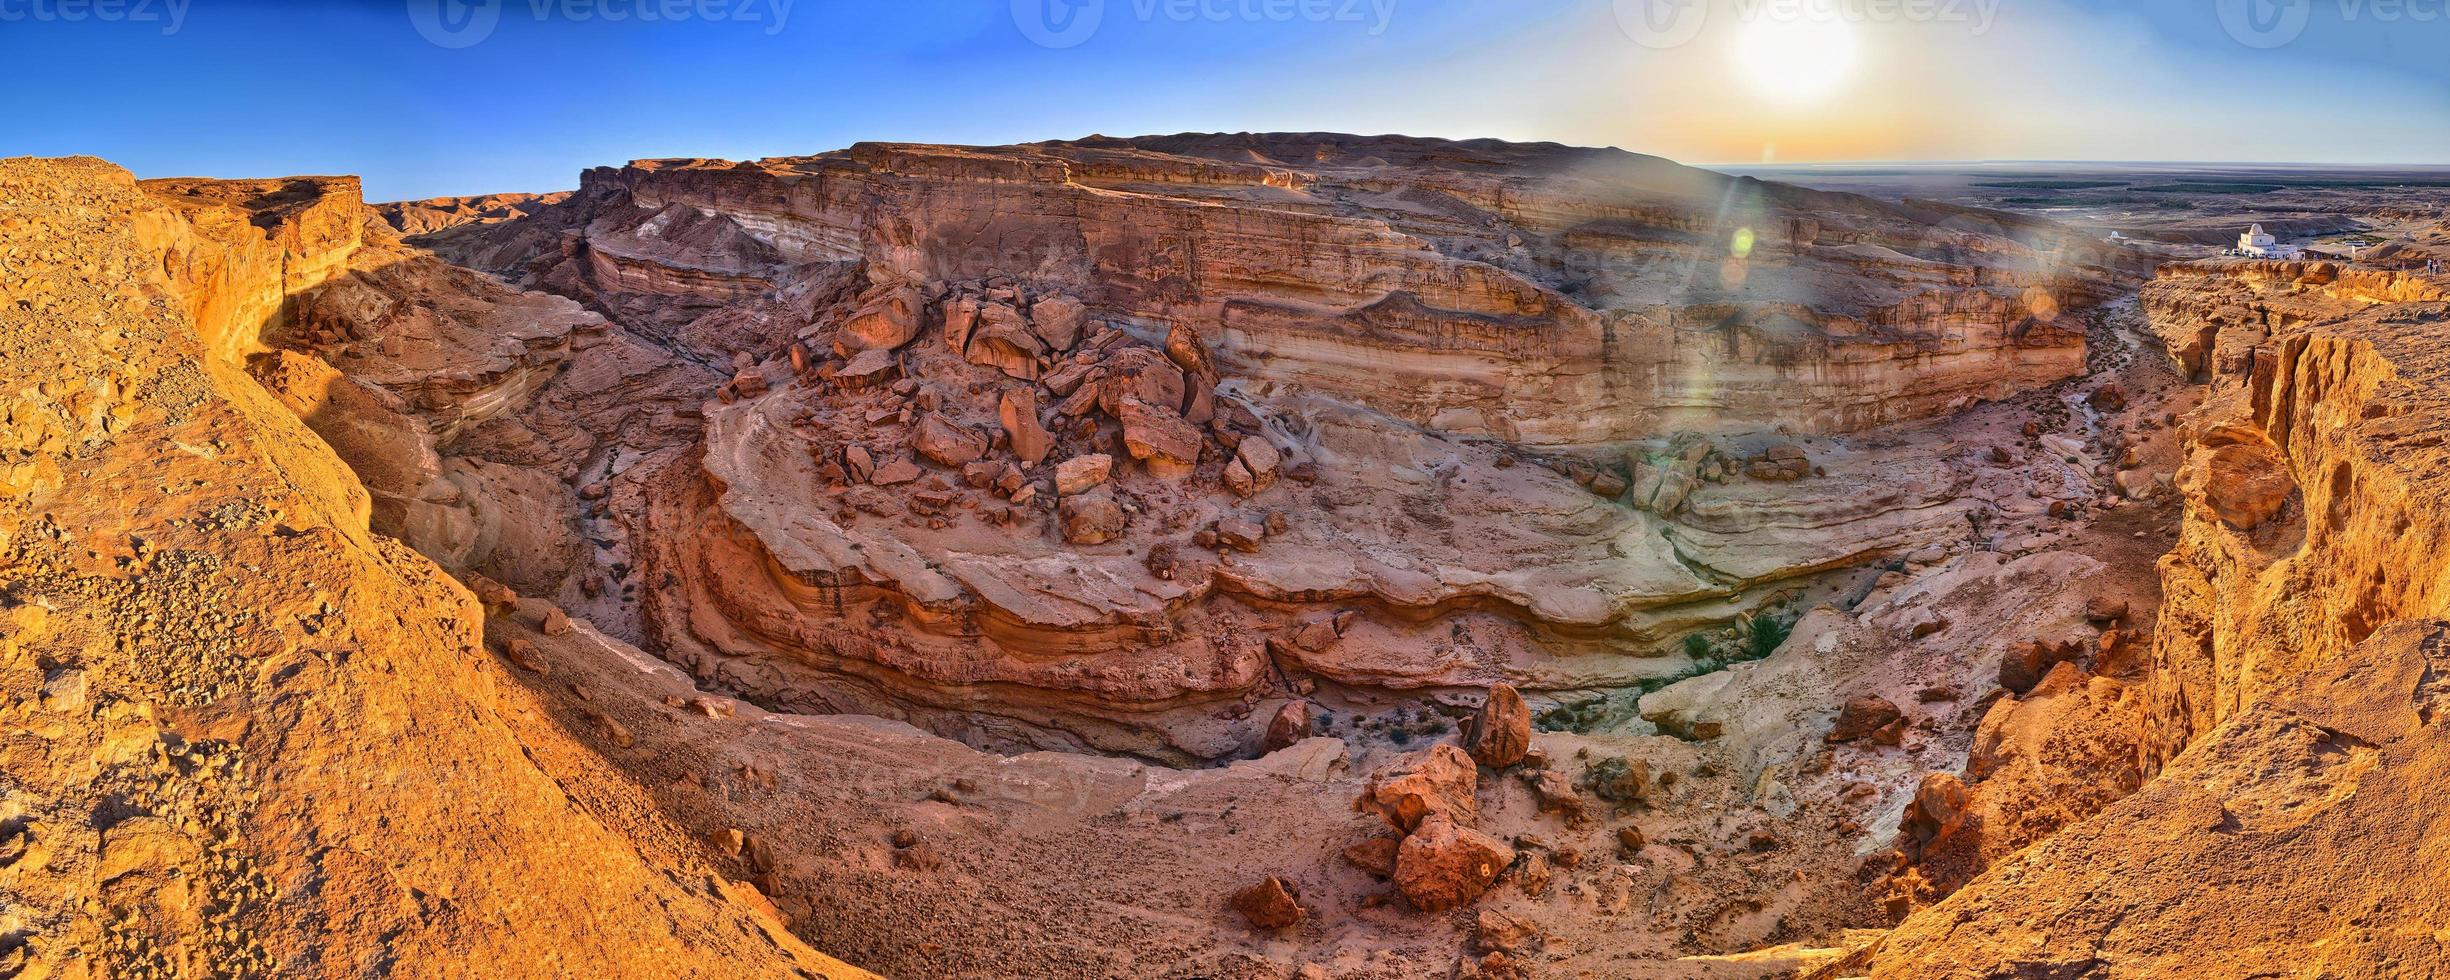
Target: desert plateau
1250, 553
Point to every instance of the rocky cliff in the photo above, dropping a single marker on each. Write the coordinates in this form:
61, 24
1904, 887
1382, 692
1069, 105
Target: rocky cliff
247, 735
2291, 707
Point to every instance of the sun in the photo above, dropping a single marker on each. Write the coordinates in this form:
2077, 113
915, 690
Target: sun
1795, 59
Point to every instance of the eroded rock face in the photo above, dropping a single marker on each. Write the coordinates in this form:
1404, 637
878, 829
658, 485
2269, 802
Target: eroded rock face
196, 779
1283, 427
2289, 699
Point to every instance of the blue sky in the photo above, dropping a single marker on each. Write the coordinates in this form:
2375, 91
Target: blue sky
262, 88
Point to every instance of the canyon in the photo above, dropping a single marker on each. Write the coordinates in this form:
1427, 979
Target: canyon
1256, 555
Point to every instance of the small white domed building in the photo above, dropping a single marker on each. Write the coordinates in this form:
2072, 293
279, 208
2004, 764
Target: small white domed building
2259, 244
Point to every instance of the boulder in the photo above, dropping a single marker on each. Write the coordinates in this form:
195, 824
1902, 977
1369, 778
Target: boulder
1937, 807
887, 318
1442, 781
1057, 320
2102, 609
1375, 856
1144, 374
2028, 662
1501, 732
1617, 779
1018, 411
1254, 468
1090, 518
1291, 724
1002, 340
1554, 792
1866, 716
1080, 473
1273, 903
1444, 864
2107, 398
1159, 439
948, 443
960, 315
1240, 533
869, 369
897, 472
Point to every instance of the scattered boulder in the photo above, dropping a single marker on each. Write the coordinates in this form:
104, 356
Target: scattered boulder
947, 442
1938, 806
1554, 792
1240, 533
869, 369
1291, 724
2107, 398
897, 472
1867, 716
1002, 340
2028, 662
1273, 903
1375, 856
1254, 467
1501, 732
2102, 609
887, 318
1090, 518
1079, 473
1057, 320
1018, 412
1442, 781
1160, 439
1617, 779
1444, 864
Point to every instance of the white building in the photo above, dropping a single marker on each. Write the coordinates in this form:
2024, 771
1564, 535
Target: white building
2259, 244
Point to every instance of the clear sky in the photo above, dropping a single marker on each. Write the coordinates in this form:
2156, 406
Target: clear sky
434, 97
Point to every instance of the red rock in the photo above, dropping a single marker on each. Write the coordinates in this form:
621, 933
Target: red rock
887, 318
869, 369
1501, 732
1090, 518
1160, 439
1441, 781
1375, 856
1270, 904
1442, 864
1018, 411
949, 444
1079, 473
1291, 724
897, 472
1862, 716
1057, 321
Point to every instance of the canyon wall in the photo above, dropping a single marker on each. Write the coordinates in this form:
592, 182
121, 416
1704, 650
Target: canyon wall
245, 733
2293, 707
1496, 412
